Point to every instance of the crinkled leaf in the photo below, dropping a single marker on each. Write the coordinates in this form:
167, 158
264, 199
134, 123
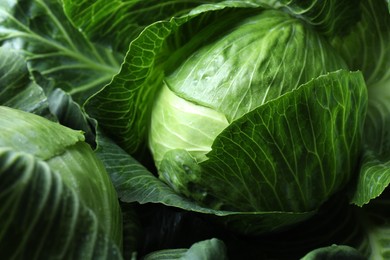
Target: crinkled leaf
42, 33
43, 218
117, 23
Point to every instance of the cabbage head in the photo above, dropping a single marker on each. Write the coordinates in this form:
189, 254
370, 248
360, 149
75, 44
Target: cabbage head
264, 118
57, 198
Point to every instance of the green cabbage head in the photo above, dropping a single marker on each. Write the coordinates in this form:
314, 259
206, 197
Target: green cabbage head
264, 118
57, 198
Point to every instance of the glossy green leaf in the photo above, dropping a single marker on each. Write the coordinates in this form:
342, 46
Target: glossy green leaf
42, 33
42, 218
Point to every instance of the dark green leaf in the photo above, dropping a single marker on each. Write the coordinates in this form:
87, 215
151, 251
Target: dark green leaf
17, 90
42, 33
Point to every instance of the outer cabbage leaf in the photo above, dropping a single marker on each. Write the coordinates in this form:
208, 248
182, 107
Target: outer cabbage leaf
289, 155
117, 23
54, 48
42, 218
64, 151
